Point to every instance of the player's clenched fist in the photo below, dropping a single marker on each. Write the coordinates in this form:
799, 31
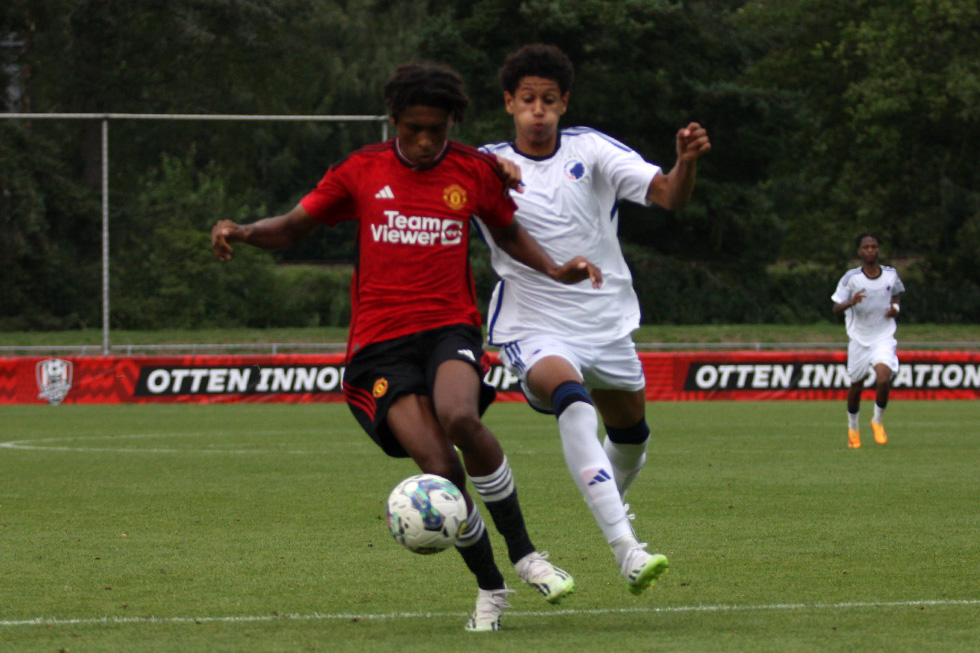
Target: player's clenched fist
692, 141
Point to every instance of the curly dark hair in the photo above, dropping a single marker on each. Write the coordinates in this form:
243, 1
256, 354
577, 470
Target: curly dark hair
429, 85
537, 60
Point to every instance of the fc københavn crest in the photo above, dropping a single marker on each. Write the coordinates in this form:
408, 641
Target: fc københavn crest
53, 379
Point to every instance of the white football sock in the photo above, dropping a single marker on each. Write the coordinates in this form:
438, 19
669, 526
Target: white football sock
496, 486
852, 421
621, 547
627, 461
591, 469
879, 413
473, 531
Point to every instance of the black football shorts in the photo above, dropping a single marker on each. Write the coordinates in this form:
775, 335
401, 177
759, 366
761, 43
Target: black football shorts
381, 372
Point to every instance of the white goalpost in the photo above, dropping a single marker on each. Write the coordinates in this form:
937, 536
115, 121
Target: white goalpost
106, 117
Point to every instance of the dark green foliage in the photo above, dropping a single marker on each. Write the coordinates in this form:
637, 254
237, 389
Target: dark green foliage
50, 245
167, 277
827, 118
888, 141
309, 295
675, 292
165, 274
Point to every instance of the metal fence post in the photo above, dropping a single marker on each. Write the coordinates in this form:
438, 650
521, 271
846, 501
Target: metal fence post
105, 237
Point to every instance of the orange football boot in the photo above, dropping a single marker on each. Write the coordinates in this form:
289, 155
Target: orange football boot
879, 430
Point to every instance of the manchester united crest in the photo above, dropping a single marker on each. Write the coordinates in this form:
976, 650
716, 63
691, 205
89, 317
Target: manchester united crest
455, 197
380, 388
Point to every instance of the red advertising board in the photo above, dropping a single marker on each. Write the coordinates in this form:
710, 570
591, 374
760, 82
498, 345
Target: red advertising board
671, 376
755, 375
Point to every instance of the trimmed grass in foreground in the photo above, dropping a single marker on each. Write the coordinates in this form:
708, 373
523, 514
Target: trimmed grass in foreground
260, 527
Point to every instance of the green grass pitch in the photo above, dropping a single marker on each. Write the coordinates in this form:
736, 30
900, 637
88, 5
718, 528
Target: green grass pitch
261, 528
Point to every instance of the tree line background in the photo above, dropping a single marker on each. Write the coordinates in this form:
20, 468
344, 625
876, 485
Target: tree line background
827, 118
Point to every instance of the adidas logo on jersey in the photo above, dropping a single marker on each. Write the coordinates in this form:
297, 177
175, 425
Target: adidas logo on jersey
600, 476
385, 193
466, 353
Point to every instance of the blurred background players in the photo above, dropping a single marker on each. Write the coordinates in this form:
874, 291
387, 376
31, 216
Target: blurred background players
413, 376
869, 296
571, 346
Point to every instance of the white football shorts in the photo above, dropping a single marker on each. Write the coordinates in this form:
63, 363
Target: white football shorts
861, 359
609, 366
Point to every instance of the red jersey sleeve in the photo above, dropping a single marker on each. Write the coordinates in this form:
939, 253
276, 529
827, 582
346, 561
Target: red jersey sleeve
496, 207
331, 201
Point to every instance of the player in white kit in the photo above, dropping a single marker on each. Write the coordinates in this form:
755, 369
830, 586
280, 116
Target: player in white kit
572, 346
869, 296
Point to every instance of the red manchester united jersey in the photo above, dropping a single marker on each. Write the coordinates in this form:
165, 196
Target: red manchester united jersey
412, 269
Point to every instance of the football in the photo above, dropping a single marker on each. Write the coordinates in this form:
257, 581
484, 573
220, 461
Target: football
426, 513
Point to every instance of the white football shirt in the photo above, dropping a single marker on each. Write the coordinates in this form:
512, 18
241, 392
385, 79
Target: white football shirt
570, 205
865, 322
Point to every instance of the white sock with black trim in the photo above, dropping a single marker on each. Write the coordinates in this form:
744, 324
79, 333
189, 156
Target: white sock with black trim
474, 529
627, 460
879, 414
591, 469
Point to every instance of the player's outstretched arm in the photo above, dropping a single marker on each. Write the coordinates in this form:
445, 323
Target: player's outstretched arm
269, 233
673, 190
518, 243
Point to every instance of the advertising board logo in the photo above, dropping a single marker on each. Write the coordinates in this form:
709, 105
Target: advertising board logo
178, 380
53, 379
823, 375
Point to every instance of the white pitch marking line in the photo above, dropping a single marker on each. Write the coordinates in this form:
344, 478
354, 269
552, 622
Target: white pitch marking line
316, 616
33, 445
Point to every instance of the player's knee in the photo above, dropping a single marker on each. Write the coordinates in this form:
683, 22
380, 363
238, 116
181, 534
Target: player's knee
460, 423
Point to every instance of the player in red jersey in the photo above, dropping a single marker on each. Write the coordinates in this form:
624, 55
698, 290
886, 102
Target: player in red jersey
413, 377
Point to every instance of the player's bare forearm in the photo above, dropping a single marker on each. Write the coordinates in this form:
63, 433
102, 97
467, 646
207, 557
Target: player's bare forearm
518, 243
277, 232
269, 233
673, 191
520, 246
675, 188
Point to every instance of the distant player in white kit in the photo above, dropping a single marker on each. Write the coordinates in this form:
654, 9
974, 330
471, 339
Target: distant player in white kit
870, 298
571, 346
